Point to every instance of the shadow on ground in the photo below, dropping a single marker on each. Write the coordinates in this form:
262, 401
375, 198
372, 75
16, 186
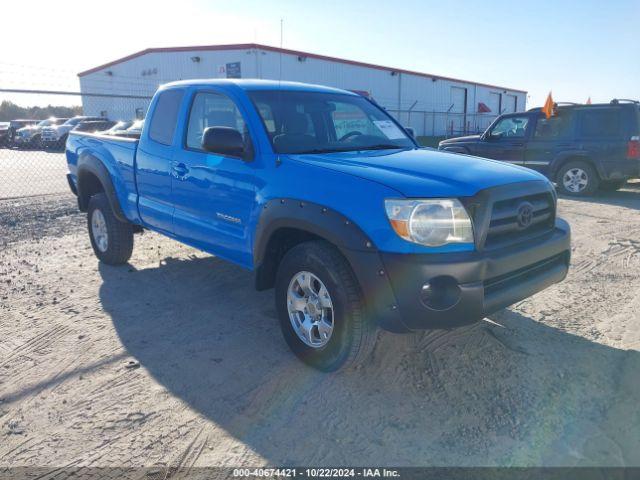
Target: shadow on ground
518, 394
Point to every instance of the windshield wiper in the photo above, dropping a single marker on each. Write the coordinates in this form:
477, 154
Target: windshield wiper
327, 150
383, 146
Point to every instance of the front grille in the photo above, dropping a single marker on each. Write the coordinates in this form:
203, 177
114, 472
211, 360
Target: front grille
504, 227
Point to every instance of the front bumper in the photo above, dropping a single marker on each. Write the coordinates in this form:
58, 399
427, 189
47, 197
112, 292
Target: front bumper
20, 140
453, 289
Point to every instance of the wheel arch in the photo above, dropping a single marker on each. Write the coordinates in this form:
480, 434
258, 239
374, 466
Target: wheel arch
93, 177
562, 160
287, 222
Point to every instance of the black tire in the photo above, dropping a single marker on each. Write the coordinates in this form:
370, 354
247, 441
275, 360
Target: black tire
119, 244
353, 337
592, 179
612, 185
36, 142
61, 144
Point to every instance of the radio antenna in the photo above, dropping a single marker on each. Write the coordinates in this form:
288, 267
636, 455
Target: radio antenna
281, 36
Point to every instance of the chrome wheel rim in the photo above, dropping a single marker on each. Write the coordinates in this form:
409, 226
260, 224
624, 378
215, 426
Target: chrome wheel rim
310, 309
575, 180
99, 230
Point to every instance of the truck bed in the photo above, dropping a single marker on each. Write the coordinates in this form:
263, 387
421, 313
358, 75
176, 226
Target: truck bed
117, 154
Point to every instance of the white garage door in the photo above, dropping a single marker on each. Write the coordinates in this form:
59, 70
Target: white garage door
510, 104
457, 113
494, 103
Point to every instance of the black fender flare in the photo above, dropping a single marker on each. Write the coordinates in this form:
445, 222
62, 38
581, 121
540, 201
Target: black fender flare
571, 155
332, 226
310, 217
90, 165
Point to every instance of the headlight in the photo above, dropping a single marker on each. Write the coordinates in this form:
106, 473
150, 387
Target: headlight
431, 222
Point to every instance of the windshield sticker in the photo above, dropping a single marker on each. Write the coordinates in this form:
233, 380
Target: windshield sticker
390, 129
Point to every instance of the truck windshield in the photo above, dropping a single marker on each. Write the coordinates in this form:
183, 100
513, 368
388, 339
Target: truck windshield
317, 122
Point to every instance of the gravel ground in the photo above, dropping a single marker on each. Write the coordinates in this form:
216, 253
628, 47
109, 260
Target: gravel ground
175, 360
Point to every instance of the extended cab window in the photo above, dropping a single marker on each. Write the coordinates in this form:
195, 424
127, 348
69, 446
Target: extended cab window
316, 122
600, 123
213, 110
165, 116
510, 127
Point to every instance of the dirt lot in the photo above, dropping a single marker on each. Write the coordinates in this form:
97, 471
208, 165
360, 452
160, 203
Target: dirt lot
174, 359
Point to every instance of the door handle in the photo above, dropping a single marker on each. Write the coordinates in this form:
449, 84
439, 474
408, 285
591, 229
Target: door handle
180, 169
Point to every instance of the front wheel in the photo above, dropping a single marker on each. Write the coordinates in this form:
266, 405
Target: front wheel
111, 239
321, 309
577, 179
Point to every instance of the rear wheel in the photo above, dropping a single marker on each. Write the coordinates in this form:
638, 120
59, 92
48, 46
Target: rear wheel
36, 142
62, 142
321, 309
577, 178
111, 239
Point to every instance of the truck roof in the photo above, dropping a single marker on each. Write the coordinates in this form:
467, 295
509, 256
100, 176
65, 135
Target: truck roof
257, 84
615, 103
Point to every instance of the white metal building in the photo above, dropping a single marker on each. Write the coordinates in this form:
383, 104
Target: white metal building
431, 104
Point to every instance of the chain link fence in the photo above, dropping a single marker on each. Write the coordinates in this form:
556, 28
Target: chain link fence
443, 124
32, 139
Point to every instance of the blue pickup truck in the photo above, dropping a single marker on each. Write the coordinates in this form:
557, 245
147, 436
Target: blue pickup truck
329, 201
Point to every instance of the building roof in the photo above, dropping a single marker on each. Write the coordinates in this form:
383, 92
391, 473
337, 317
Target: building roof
248, 46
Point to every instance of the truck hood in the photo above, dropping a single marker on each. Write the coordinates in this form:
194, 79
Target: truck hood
61, 128
468, 138
423, 173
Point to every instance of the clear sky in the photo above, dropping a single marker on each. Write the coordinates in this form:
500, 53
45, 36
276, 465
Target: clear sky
578, 49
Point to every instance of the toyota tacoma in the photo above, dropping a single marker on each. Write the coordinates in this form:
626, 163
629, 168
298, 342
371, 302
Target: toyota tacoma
329, 201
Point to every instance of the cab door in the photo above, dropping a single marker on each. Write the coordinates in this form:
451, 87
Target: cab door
506, 140
154, 161
550, 137
214, 195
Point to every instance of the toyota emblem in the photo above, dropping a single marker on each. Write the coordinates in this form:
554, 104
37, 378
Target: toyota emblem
525, 215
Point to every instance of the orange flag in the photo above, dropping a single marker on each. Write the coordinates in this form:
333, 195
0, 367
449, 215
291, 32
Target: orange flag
548, 106
589, 101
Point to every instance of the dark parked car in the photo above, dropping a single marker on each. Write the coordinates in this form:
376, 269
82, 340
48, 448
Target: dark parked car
14, 126
135, 130
119, 128
55, 136
582, 148
94, 126
30, 136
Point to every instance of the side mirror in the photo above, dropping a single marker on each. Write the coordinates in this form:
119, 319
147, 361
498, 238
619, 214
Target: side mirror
225, 141
411, 131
